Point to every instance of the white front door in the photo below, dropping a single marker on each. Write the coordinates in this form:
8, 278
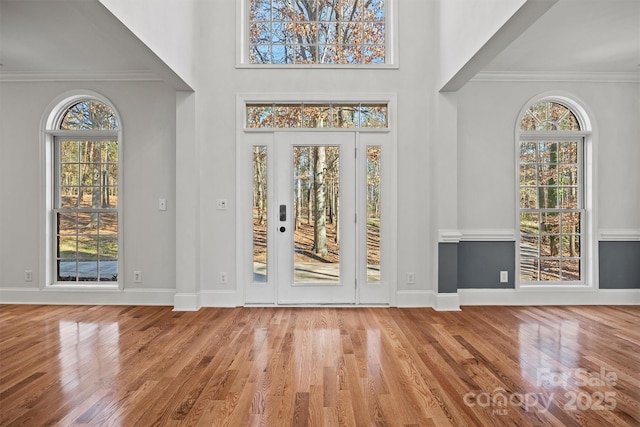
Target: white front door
318, 226
315, 198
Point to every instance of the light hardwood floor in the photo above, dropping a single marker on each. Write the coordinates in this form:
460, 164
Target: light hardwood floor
483, 366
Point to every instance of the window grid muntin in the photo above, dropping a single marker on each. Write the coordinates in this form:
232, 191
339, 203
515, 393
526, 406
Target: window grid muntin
101, 238
548, 107
108, 121
269, 39
562, 137
78, 136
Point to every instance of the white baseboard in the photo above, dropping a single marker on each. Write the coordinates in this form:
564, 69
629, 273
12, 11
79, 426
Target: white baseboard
447, 302
220, 298
186, 302
407, 299
136, 296
226, 298
439, 302
545, 297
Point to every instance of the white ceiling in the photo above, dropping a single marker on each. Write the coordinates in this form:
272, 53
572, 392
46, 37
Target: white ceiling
578, 36
73, 37
68, 38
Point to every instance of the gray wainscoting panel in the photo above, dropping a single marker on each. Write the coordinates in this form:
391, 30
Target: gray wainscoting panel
619, 265
480, 263
447, 268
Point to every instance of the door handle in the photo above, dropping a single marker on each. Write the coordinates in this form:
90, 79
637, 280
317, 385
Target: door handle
282, 229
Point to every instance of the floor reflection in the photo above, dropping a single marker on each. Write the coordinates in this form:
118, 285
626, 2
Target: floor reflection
546, 347
89, 353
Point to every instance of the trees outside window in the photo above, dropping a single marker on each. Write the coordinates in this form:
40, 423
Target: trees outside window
86, 200
551, 187
317, 115
317, 31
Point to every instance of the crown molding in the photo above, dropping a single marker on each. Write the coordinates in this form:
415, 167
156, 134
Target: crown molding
112, 76
548, 76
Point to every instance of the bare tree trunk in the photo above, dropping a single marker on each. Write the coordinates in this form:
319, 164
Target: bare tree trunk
320, 220
258, 185
309, 204
298, 204
86, 158
337, 214
96, 179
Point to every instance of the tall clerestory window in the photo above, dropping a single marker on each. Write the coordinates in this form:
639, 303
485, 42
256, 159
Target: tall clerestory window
86, 193
317, 32
552, 195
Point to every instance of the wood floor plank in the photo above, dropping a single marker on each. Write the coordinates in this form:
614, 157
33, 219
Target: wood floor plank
319, 366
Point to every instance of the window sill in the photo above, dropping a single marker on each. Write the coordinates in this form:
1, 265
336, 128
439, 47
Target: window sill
360, 130
560, 287
88, 286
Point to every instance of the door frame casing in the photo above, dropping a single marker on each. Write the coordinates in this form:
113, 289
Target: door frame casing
249, 293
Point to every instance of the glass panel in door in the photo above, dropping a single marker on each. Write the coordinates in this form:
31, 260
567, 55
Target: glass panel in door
316, 209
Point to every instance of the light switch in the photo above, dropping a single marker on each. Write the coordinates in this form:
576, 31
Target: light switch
162, 204
221, 204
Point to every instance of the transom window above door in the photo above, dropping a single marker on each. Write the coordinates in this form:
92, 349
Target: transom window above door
325, 115
308, 32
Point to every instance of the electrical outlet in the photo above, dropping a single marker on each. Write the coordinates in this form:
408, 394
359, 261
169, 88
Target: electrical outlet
28, 276
504, 277
223, 277
137, 276
411, 278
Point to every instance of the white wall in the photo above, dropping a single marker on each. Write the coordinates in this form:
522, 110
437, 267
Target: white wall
166, 26
148, 121
487, 117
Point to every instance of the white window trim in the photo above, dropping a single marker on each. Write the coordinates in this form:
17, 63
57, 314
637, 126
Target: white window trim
391, 40
53, 114
314, 98
589, 261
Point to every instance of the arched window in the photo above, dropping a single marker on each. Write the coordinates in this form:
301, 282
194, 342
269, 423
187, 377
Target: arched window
86, 181
549, 116
551, 182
